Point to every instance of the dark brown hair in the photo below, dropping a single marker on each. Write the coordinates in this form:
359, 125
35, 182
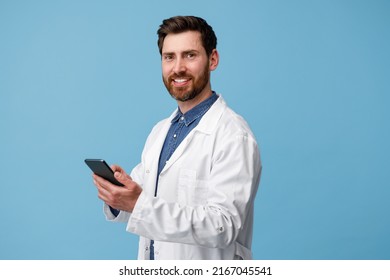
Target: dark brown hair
179, 24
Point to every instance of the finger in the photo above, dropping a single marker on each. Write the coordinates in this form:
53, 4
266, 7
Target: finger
115, 168
123, 178
103, 183
104, 192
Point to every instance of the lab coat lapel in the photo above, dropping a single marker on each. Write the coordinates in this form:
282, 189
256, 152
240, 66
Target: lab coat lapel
154, 152
206, 125
179, 151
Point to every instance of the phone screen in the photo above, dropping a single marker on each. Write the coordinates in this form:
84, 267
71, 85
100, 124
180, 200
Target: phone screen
102, 169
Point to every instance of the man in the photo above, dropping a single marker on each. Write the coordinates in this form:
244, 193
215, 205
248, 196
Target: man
192, 195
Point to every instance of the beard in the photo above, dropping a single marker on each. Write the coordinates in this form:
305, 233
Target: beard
190, 91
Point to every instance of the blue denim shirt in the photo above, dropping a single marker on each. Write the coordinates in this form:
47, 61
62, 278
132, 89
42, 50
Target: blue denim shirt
181, 125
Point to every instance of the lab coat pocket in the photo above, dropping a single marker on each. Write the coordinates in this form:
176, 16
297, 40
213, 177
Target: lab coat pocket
191, 191
199, 194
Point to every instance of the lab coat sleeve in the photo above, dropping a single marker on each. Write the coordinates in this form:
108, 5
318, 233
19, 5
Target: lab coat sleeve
233, 183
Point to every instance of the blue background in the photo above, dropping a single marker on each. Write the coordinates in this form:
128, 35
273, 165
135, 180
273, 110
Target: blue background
82, 79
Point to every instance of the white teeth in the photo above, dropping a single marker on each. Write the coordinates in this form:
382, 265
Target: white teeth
180, 80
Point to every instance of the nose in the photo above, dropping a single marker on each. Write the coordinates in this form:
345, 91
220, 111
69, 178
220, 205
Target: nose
179, 66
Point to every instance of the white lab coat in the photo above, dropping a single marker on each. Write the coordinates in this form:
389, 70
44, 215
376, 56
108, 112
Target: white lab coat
206, 191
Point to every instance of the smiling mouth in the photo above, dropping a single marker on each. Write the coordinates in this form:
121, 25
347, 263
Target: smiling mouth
179, 82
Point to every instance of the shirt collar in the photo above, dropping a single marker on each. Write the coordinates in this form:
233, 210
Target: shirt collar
196, 112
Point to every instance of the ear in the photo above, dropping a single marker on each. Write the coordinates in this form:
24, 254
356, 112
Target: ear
213, 60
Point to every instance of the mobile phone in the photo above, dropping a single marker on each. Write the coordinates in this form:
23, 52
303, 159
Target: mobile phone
102, 169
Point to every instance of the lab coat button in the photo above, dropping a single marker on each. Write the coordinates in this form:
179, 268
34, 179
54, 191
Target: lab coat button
220, 229
147, 171
146, 248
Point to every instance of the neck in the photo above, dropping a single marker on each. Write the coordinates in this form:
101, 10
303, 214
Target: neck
185, 106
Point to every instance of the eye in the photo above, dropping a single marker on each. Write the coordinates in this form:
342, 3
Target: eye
191, 55
168, 57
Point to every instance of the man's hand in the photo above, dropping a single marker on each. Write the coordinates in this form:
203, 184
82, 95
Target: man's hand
121, 198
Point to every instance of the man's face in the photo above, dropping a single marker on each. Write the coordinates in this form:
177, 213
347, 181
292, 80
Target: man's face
185, 65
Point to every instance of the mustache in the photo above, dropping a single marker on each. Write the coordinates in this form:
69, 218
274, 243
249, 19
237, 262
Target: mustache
176, 76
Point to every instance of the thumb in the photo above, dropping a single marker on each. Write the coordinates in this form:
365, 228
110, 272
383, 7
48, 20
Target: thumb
122, 177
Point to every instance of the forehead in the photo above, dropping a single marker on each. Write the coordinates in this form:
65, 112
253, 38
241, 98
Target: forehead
189, 40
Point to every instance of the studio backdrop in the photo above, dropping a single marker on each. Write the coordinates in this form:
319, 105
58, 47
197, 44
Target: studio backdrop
82, 79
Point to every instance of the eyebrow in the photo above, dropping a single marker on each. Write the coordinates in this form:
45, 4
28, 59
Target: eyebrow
183, 52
